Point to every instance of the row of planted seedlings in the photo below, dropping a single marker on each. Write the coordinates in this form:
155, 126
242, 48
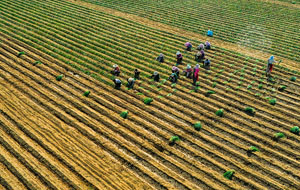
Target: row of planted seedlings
100, 101
30, 156
37, 139
190, 10
249, 86
278, 74
219, 31
244, 70
284, 70
282, 74
95, 128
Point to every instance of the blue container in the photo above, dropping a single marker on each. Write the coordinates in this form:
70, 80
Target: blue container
210, 33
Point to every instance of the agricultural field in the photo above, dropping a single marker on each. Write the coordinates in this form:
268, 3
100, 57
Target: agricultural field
64, 126
261, 25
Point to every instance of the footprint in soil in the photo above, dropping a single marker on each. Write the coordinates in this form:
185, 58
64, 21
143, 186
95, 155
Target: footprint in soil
159, 147
247, 163
249, 153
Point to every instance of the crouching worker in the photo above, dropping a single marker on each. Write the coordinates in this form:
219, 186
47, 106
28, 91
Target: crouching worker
200, 47
155, 76
130, 83
206, 64
188, 46
207, 45
179, 57
200, 56
161, 58
175, 70
173, 78
188, 72
118, 83
116, 70
136, 74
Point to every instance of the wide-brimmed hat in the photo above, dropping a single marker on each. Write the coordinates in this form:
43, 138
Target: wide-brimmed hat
114, 66
130, 79
155, 73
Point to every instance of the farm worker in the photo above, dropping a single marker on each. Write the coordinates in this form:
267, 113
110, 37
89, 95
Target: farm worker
155, 76
179, 57
136, 74
189, 71
206, 64
130, 83
210, 33
188, 46
116, 70
176, 71
118, 83
270, 65
161, 58
199, 56
207, 45
200, 47
173, 78
196, 74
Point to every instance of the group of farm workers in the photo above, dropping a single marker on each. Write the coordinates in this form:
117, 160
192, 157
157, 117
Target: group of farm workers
189, 72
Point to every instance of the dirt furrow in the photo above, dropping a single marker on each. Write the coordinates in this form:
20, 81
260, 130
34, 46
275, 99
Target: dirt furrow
97, 141
8, 180
65, 144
